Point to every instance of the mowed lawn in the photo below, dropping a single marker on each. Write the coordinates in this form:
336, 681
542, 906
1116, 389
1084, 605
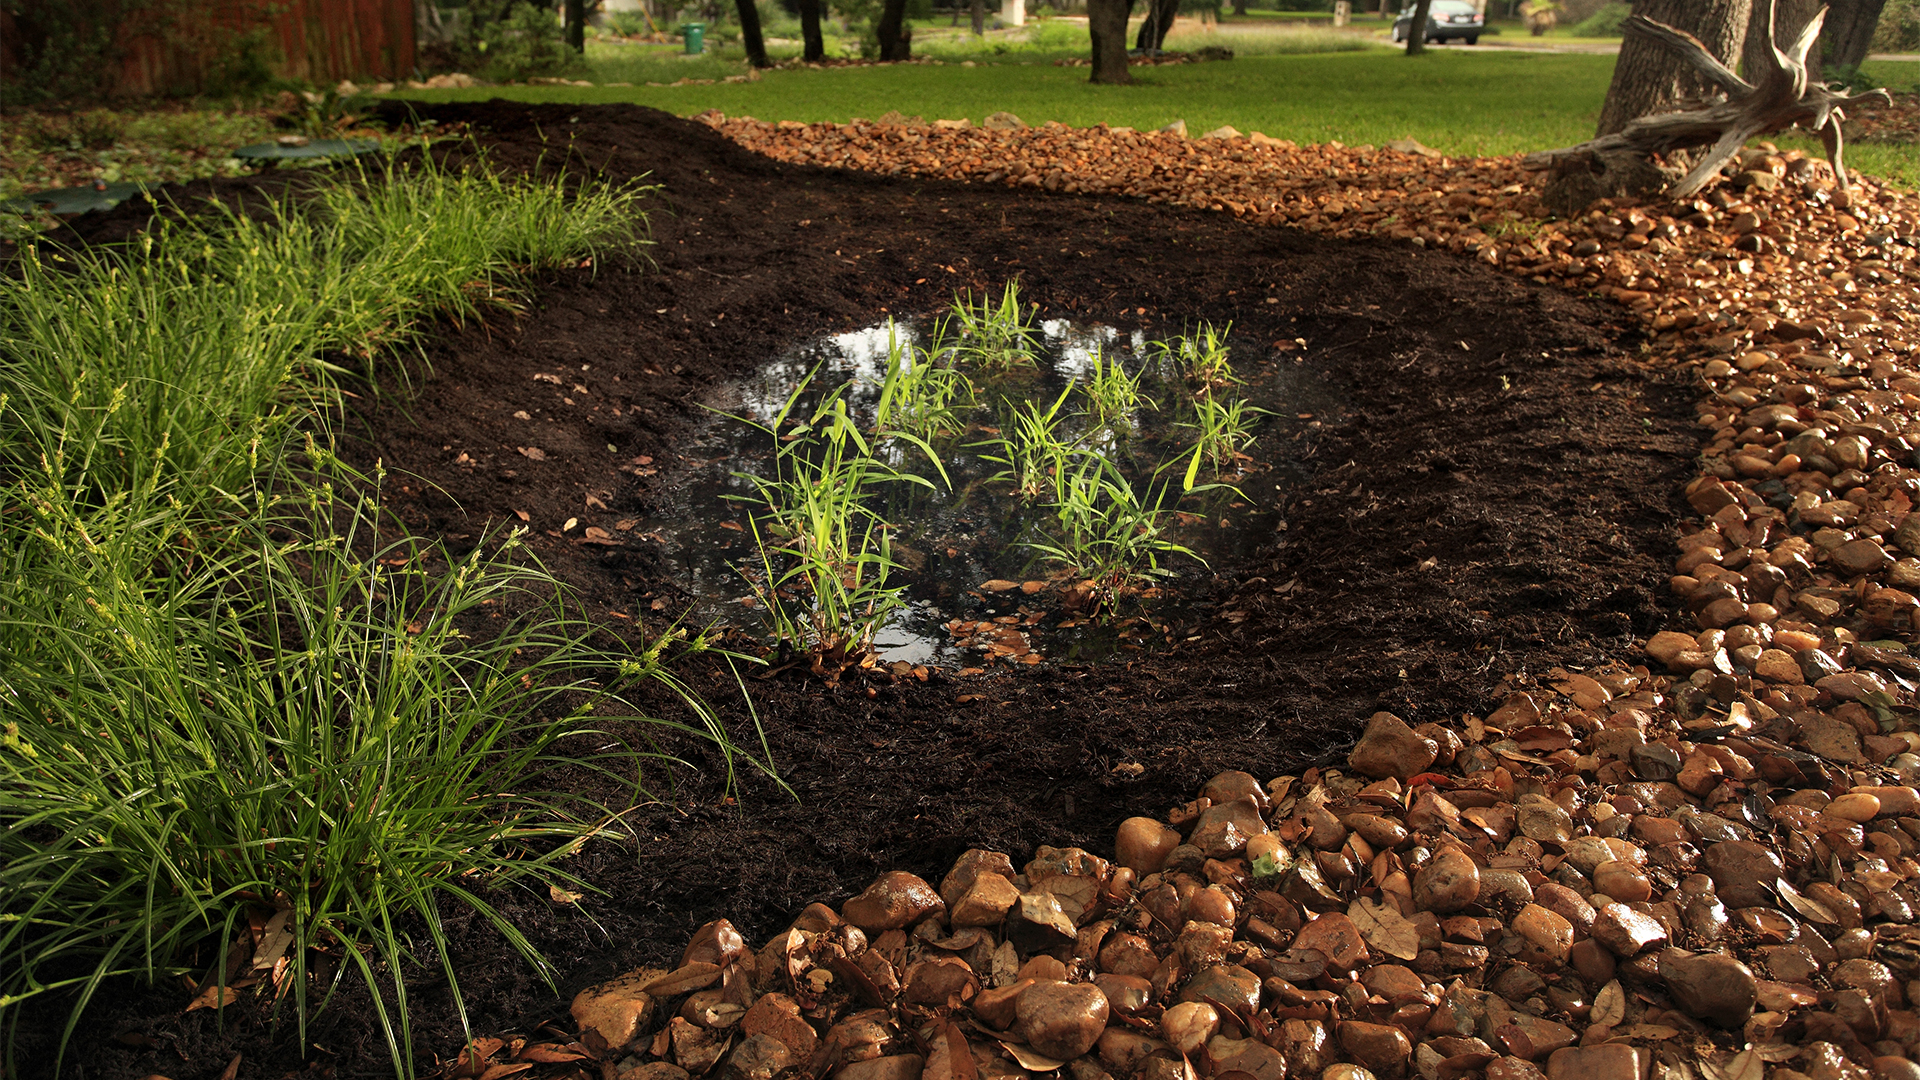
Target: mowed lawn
1461, 101
1480, 103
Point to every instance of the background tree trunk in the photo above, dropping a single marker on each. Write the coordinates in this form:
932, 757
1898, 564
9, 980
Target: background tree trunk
1788, 17
749, 33
1107, 26
814, 48
1239, 7
1849, 30
577, 26
1160, 16
894, 45
1649, 78
1417, 29
979, 17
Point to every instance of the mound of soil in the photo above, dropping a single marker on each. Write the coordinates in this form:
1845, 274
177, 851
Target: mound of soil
1496, 496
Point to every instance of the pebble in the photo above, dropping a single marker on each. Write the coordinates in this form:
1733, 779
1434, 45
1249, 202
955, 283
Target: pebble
1389, 748
1549, 936
1143, 844
1626, 932
1855, 806
1607, 1061
1623, 881
1711, 986
1381, 1049
1742, 871
1449, 882
1061, 1020
896, 900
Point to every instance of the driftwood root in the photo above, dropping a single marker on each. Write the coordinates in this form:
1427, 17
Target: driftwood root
1782, 96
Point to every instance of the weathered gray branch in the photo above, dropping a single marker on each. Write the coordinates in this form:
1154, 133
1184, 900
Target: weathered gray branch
1781, 96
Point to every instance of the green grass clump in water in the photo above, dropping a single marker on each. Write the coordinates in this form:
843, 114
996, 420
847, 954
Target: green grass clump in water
225, 686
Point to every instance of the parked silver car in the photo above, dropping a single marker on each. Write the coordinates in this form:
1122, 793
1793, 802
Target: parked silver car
1446, 20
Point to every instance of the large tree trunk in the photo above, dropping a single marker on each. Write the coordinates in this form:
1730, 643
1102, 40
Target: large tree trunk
1417, 29
750, 33
979, 17
577, 26
1159, 20
814, 48
894, 44
1788, 18
1648, 78
1107, 26
1850, 26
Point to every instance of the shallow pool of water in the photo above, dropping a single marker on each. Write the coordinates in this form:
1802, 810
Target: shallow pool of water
976, 591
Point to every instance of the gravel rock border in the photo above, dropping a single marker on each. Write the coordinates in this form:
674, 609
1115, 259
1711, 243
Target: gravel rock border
1695, 862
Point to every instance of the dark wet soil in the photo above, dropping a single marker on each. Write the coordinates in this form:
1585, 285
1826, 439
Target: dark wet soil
1496, 497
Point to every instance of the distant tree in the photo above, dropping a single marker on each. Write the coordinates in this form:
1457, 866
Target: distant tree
1159, 20
1107, 26
1651, 78
749, 32
814, 48
1417, 29
576, 16
896, 38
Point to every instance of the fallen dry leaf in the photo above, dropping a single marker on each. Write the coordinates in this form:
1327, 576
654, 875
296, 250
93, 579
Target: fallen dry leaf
1385, 928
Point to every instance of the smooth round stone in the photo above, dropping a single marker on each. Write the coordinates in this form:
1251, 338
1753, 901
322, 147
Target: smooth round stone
1449, 882
1344, 1071
1212, 904
1895, 1068
1389, 748
1742, 872
1143, 844
1126, 994
1061, 1020
895, 900
1548, 936
1855, 806
1855, 944
1712, 986
1382, 1049
1623, 881
1188, 1025
1860, 557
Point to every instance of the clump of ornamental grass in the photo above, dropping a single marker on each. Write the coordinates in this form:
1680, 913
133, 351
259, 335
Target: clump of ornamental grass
231, 691
305, 718
198, 347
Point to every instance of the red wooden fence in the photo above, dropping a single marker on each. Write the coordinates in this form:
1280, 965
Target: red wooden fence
173, 46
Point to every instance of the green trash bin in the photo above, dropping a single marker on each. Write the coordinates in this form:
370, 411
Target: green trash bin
696, 37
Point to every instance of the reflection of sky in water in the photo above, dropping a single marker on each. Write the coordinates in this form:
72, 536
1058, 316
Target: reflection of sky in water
859, 355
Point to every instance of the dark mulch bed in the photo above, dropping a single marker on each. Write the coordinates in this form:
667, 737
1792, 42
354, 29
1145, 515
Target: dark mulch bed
1500, 429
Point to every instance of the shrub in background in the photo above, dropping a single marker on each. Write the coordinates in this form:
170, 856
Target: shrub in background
527, 41
1899, 27
1609, 21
